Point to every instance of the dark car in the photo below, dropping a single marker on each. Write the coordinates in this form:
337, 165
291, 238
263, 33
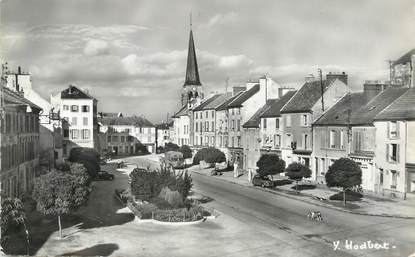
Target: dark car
103, 175
257, 180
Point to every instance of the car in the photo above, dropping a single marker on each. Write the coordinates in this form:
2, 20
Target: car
257, 180
104, 175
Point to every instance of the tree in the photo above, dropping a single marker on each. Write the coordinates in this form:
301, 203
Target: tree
270, 164
344, 173
297, 171
13, 219
171, 147
186, 151
214, 155
58, 193
80, 172
89, 157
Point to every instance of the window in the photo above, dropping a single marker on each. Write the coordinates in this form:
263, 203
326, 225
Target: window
213, 126
277, 141
233, 141
393, 129
206, 140
74, 121
392, 152
122, 139
233, 124
212, 141
332, 139
238, 141
201, 127
201, 140
233, 111
342, 139
213, 114
277, 123
74, 133
394, 179
206, 114
220, 141
109, 138
289, 140
197, 127
264, 123
239, 125
85, 108
305, 141
66, 107
304, 119
66, 133
207, 126
196, 115
86, 134
85, 121
288, 121
74, 108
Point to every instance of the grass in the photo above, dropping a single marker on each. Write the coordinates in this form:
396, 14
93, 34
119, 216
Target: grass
304, 187
350, 196
282, 182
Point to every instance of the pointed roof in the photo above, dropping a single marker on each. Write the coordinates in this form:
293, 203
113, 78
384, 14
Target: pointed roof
275, 108
192, 71
72, 92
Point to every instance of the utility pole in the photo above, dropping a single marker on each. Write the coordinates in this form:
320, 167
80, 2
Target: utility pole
322, 89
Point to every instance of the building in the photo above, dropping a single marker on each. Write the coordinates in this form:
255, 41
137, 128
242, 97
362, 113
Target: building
163, 134
271, 132
332, 134
191, 96
305, 107
403, 71
50, 130
19, 141
205, 119
127, 135
395, 147
79, 111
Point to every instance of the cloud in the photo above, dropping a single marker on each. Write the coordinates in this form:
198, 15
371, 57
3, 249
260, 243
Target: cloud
220, 19
96, 47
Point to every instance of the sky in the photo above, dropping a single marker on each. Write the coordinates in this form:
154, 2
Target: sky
131, 54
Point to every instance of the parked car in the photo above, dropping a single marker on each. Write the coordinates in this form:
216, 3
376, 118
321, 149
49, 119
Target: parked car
173, 159
257, 180
104, 175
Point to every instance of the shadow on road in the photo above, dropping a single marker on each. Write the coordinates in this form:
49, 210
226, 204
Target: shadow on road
96, 250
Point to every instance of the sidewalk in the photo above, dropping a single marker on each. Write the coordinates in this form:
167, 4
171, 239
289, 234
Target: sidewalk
369, 204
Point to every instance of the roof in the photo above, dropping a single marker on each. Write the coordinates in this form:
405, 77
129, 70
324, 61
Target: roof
192, 71
240, 99
133, 120
306, 97
338, 114
164, 125
72, 92
16, 98
205, 103
401, 109
183, 111
367, 113
405, 58
216, 102
275, 108
255, 120
224, 105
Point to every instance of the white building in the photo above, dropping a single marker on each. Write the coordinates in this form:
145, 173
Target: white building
79, 109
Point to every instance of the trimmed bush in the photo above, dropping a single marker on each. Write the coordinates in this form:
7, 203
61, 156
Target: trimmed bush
186, 151
270, 164
209, 155
171, 147
350, 196
143, 211
297, 171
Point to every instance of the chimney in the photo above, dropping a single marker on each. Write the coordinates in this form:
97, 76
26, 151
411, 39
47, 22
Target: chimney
342, 76
412, 85
372, 88
19, 70
236, 90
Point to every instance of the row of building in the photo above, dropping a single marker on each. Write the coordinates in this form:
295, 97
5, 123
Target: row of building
317, 123
37, 135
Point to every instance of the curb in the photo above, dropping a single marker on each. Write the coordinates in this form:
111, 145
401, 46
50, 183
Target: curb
312, 201
173, 223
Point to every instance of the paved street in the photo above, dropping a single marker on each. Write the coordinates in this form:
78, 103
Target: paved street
251, 223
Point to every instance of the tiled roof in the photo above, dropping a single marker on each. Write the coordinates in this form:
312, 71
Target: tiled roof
205, 103
164, 125
224, 106
402, 109
133, 120
405, 58
338, 113
255, 120
218, 101
366, 114
11, 97
275, 108
306, 97
183, 111
238, 101
72, 92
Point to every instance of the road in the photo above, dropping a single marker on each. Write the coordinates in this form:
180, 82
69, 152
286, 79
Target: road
251, 223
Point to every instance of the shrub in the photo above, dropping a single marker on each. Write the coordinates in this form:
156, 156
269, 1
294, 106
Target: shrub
143, 211
13, 222
297, 171
172, 197
181, 215
80, 172
141, 149
186, 151
209, 155
350, 196
84, 153
270, 164
171, 147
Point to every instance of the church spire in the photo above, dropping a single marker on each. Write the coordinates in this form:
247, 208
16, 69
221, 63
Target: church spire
192, 71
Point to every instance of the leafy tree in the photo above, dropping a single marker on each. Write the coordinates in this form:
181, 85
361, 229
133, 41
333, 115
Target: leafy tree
344, 173
58, 193
171, 147
199, 156
270, 164
80, 172
13, 219
214, 155
297, 171
89, 157
186, 151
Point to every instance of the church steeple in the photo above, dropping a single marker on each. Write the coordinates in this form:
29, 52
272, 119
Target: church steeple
192, 70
